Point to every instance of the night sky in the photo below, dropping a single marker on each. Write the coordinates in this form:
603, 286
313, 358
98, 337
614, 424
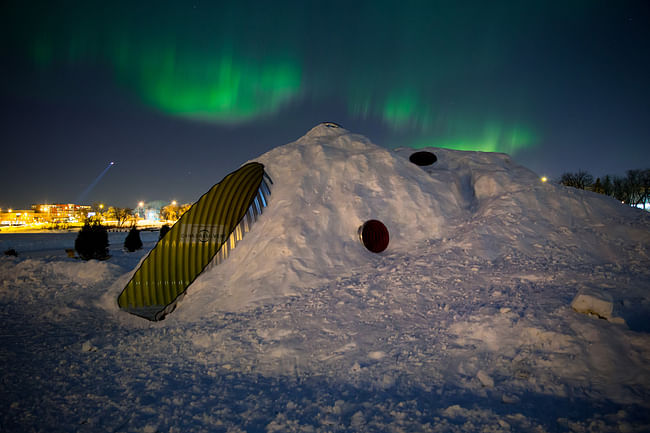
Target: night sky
180, 93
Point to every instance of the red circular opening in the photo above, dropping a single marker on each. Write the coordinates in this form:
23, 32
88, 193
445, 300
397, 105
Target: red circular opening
374, 236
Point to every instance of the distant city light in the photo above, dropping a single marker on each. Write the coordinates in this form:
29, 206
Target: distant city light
544, 179
69, 215
141, 204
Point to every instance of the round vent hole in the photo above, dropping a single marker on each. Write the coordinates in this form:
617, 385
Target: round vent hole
423, 158
374, 236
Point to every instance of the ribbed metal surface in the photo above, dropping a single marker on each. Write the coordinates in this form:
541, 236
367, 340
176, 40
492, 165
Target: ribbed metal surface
203, 236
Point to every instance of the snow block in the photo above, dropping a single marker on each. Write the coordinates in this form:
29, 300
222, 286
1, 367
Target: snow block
485, 379
595, 302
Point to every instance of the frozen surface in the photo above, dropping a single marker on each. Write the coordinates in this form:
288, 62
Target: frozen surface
465, 322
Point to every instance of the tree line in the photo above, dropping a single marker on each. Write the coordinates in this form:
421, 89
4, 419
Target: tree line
632, 189
122, 215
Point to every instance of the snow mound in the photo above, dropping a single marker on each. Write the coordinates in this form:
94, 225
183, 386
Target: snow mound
330, 181
326, 185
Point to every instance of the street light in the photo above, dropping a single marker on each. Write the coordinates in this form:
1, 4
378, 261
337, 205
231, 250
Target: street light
141, 209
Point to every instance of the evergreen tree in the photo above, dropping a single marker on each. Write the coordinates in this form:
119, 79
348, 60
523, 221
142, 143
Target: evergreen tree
163, 230
132, 242
620, 189
598, 187
608, 188
92, 241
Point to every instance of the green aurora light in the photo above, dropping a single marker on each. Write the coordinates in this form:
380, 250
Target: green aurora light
214, 86
238, 65
405, 111
492, 138
400, 109
200, 72
225, 89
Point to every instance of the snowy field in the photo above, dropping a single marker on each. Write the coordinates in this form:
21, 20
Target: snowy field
465, 323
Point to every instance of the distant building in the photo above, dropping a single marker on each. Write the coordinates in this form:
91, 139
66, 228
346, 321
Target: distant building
62, 213
44, 214
18, 217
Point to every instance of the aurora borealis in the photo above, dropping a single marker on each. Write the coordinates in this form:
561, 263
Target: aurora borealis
180, 93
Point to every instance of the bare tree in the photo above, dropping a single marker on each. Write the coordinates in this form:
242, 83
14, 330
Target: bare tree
638, 184
632, 189
581, 179
169, 212
124, 214
173, 212
645, 185
184, 208
120, 214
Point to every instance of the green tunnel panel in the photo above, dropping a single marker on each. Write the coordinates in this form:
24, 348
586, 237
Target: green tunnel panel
204, 236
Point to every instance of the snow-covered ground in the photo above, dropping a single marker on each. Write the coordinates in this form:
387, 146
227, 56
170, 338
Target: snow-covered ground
465, 322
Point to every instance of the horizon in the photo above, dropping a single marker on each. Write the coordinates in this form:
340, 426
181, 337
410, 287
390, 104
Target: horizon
179, 95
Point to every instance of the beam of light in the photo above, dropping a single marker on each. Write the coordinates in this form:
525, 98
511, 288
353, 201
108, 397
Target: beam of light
94, 183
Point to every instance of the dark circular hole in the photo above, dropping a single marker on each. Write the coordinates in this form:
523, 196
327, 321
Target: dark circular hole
374, 236
423, 158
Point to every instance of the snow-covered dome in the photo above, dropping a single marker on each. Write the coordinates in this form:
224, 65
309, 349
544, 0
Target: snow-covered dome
328, 182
